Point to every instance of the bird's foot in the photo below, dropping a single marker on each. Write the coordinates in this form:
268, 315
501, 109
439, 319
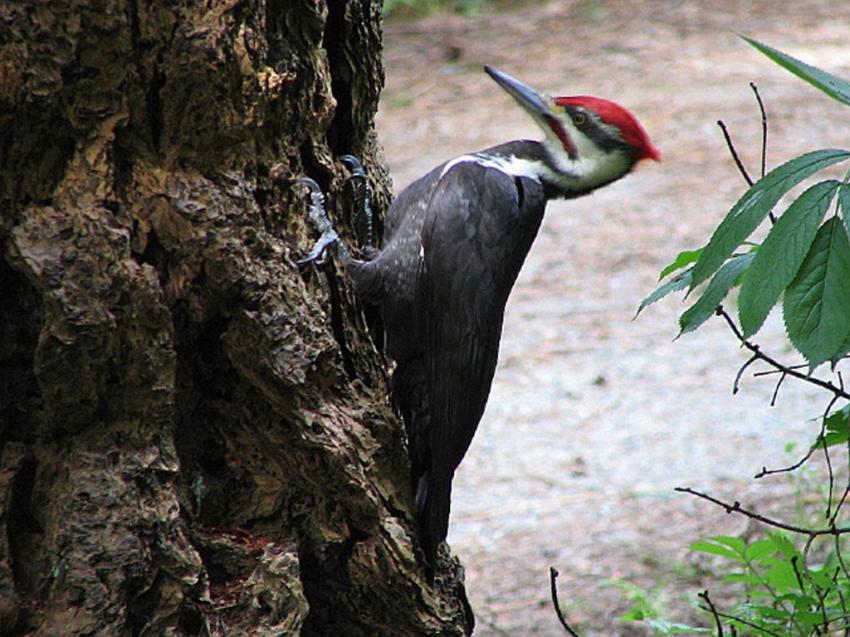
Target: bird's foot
319, 219
318, 254
362, 203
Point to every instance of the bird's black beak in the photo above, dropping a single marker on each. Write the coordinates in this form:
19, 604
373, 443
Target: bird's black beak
527, 97
536, 105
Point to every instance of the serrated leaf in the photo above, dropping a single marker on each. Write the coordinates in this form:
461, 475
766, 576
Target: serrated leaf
780, 255
715, 549
835, 87
741, 578
633, 615
760, 549
679, 282
837, 428
781, 541
781, 576
735, 543
682, 259
822, 578
751, 209
817, 302
844, 205
714, 293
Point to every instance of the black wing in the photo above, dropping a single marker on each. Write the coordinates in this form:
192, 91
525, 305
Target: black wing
480, 225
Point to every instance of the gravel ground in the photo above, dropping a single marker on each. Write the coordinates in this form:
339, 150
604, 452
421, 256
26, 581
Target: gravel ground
594, 417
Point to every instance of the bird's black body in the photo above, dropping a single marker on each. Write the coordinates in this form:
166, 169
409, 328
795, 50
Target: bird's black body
454, 243
453, 246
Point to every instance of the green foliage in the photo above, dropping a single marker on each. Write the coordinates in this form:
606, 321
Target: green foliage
817, 301
678, 282
835, 87
649, 608
781, 254
753, 208
727, 276
793, 583
803, 258
778, 592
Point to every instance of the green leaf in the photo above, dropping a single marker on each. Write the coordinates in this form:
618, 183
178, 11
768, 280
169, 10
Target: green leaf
735, 543
837, 429
714, 293
760, 549
844, 205
682, 259
664, 627
835, 87
817, 302
751, 209
679, 282
741, 578
715, 549
780, 255
781, 576
634, 615
781, 541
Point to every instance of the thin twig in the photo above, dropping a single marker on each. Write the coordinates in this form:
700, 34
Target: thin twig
737, 384
776, 389
717, 622
841, 558
744, 622
770, 372
796, 566
734, 153
553, 575
763, 128
767, 472
837, 391
846, 489
831, 477
737, 508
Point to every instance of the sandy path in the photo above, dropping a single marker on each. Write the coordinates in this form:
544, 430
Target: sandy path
595, 418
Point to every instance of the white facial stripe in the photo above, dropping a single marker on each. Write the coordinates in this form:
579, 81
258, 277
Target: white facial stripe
513, 166
591, 167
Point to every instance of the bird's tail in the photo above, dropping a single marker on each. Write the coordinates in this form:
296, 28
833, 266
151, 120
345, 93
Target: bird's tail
433, 500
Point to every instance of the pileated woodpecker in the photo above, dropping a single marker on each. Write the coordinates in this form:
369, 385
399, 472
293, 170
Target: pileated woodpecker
454, 242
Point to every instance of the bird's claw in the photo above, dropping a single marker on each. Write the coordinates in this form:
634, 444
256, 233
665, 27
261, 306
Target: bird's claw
319, 218
354, 165
318, 254
361, 200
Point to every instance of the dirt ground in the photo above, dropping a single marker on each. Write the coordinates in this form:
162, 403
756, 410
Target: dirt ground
594, 417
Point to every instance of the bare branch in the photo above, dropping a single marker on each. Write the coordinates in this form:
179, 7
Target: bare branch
744, 622
737, 384
776, 389
737, 508
763, 128
713, 610
553, 575
734, 153
790, 371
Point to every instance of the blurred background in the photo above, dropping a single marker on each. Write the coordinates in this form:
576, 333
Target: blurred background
595, 417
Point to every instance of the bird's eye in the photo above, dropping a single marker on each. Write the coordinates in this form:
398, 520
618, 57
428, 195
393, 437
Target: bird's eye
579, 119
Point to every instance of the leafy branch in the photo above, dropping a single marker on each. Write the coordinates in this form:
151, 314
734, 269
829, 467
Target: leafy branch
803, 265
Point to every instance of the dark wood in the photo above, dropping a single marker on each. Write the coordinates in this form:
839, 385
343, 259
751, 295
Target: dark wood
196, 437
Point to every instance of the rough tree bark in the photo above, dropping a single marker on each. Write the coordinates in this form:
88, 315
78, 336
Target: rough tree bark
196, 437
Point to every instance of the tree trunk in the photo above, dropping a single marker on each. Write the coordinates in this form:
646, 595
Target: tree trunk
196, 436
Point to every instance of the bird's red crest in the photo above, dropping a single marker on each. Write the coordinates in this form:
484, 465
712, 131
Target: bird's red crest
612, 113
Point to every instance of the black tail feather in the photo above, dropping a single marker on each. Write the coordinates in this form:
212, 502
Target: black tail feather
434, 516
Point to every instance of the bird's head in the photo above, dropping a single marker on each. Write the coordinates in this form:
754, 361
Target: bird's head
590, 141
